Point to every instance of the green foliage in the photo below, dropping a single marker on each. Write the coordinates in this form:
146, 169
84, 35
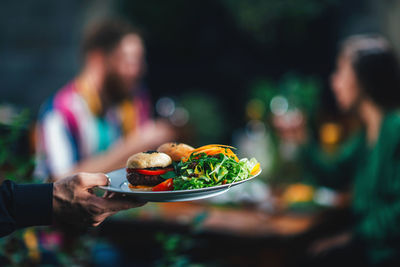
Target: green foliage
76, 251
81, 252
15, 161
173, 247
301, 92
13, 251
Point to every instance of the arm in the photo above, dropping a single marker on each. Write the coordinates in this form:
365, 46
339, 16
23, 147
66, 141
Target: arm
112, 159
334, 170
381, 215
60, 150
24, 205
381, 223
69, 201
149, 137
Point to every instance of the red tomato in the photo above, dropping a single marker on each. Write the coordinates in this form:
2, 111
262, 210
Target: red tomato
151, 172
167, 185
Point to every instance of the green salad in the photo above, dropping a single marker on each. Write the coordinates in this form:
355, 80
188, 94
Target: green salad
201, 170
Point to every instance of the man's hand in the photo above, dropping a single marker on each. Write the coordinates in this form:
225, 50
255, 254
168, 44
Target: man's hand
149, 136
75, 204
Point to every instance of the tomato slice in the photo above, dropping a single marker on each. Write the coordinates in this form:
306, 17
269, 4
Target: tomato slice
167, 185
151, 172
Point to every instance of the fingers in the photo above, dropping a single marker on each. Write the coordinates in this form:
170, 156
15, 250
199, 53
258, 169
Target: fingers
89, 180
99, 208
115, 204
108, 194
100, 218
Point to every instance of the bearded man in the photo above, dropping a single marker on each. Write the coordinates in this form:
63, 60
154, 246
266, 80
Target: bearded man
101, 117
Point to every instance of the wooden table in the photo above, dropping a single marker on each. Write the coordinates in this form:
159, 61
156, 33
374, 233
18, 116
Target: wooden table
245, 236
245, 222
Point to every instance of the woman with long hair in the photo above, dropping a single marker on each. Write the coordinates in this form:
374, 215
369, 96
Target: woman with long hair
366, 82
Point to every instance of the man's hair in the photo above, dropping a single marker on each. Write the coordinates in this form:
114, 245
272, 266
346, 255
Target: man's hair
106, 34
376, 67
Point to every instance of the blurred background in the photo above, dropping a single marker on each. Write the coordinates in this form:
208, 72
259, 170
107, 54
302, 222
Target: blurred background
216, 48
217, 71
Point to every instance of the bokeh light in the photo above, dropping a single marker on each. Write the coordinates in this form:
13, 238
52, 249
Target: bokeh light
180, 117
279, 105
165, 106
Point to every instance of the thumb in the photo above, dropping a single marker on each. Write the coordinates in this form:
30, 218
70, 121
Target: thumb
89, 180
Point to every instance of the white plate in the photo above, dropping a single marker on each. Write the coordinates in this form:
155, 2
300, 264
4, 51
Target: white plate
119, 184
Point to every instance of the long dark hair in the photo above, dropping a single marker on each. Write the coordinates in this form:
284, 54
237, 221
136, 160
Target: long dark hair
376, 67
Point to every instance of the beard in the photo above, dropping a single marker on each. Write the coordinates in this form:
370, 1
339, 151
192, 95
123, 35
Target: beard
116, 89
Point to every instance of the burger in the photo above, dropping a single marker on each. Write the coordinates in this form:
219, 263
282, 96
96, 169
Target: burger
144, 169
176, 150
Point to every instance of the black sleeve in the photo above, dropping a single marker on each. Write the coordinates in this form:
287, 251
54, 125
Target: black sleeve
24, 205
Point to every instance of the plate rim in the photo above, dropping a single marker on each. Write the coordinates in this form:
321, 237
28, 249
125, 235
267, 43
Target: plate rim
185, 191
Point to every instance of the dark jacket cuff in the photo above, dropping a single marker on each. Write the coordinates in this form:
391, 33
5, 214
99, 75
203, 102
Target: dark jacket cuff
33, 204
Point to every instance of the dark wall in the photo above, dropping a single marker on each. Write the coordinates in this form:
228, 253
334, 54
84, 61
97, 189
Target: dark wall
191, 45
38, 48
200, 45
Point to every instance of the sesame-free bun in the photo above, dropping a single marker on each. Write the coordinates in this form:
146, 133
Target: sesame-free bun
175, 150
149, 159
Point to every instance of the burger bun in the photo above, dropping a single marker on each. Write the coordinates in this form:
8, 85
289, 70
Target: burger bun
149, 159
175, 150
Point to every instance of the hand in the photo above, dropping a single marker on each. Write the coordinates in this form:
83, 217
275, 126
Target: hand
75, 204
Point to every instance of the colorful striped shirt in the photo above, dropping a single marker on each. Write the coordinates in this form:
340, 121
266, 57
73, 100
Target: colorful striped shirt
70, 129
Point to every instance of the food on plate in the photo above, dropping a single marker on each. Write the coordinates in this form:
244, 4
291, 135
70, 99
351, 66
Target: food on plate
144, 169
211, 150
177, 166
176, 150
167, 185
212, 165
